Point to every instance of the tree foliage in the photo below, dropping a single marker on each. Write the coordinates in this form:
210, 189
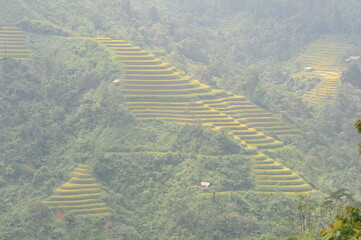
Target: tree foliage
358, 127
60, 109
347, 226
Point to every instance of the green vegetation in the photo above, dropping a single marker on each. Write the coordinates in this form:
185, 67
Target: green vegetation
233, 113
346, 226
358, 127
278, 167
352, 75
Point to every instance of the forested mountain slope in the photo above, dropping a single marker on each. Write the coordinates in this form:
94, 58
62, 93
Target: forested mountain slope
61, 109
54, 136
156, 90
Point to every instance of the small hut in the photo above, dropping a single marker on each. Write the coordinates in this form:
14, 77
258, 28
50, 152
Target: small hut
353, 58
116, 82
309, 69
205, 184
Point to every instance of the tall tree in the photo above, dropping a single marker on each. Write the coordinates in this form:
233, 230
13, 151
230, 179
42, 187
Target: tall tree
346, 226
358, 127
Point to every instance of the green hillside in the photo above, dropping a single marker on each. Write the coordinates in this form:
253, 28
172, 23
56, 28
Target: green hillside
155, 90
114, 114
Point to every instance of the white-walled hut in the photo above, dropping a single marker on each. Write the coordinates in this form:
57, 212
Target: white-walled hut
205, 184
353, 58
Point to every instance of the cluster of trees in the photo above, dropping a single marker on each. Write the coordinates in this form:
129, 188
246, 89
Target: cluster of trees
154, 193
53, 142
60, 110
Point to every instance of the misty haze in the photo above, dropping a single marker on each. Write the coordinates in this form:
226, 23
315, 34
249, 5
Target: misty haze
180, 120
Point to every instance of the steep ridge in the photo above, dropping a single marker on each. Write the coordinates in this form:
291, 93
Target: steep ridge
81, 195
323, 57
155, 90
13, 44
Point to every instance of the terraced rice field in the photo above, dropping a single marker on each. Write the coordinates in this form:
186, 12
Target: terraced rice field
13, 43
271, 176
227, 25
156, 90
81, 195
324, 57
141, 4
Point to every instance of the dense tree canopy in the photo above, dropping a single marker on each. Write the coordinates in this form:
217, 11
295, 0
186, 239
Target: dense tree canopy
61, 109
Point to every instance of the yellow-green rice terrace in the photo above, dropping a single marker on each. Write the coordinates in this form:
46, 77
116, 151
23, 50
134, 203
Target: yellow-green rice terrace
13, 43
156, 90
322, 59
80, 196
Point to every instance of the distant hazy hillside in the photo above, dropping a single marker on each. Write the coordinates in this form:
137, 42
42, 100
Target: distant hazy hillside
112, 113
